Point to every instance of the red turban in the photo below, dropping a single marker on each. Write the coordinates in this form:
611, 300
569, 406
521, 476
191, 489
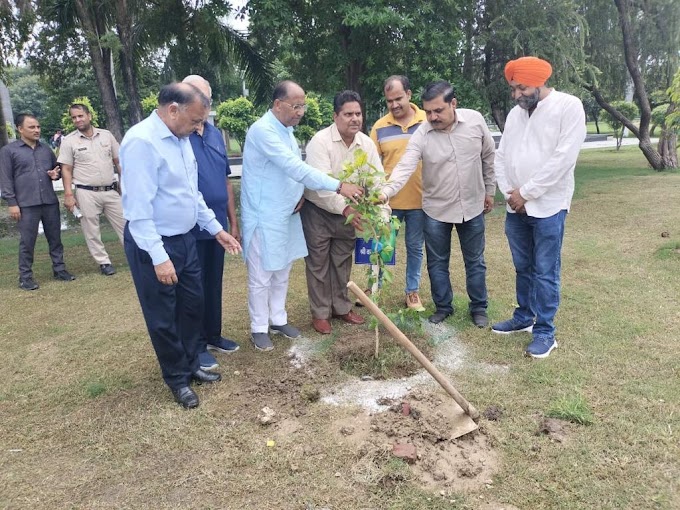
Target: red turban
529, 71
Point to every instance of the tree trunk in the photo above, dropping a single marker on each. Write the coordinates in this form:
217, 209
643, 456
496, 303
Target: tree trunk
127, 62
630, 52
668, 148
102, 71
4, 137
597, 126
498, 115
652, 155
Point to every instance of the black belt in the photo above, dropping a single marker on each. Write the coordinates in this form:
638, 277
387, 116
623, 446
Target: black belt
113, 186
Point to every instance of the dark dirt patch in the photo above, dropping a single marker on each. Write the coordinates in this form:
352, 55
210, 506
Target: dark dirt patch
493, 413
355, 354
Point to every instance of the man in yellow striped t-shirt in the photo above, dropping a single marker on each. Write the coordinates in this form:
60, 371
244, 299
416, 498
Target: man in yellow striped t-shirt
391, 134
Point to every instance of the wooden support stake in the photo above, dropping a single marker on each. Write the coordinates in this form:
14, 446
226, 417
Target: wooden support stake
393, 330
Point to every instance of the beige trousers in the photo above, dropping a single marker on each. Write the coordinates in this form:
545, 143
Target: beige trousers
92, 204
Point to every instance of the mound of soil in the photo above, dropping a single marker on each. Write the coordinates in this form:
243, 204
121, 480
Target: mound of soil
355, 354
424, 421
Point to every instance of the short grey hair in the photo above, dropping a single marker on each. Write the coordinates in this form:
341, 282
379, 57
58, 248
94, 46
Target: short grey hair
196, 78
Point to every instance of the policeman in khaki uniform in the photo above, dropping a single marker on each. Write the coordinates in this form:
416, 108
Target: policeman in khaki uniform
89, 158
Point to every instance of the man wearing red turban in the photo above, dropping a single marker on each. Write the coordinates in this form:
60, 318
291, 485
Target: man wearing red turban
535, 171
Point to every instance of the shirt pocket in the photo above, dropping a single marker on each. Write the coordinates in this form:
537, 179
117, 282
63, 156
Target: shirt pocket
105, 149
83, 155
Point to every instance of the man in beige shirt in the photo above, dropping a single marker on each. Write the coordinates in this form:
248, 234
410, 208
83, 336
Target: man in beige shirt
330, 242
89, 158
457, 151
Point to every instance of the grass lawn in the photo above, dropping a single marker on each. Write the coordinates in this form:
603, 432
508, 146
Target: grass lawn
86, 421
605, 128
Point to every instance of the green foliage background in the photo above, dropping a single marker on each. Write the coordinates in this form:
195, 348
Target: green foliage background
67, 123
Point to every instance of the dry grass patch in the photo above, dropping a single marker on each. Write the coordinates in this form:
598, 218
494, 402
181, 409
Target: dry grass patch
86, 421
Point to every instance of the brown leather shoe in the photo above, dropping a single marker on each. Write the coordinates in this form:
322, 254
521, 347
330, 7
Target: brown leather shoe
323, 326
351, 318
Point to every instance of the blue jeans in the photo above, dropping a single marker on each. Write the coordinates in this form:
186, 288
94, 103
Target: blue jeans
438, 248
536, 247
414, 220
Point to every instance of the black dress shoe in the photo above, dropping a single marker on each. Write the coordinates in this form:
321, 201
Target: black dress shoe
480, 319
203, 376
28, 284
107, 269
186, 397
63, 275
438, 316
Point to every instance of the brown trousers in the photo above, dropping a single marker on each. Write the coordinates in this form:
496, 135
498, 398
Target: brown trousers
330, 244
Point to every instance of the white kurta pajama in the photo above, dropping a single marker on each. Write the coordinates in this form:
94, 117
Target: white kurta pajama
273, 180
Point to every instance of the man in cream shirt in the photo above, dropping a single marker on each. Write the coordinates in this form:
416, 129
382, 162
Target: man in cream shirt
330, 242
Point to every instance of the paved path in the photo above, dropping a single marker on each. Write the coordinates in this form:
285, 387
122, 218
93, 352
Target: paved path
610, 142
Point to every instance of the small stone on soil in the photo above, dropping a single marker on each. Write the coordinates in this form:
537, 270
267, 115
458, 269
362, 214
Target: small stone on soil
347, 431
405, 451
310, 393
439, 476
266, 416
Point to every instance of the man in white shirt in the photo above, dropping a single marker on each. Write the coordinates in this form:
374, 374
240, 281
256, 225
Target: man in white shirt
535, 171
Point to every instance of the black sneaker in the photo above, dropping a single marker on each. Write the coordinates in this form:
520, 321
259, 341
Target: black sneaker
63, 275
107, 269
28, 284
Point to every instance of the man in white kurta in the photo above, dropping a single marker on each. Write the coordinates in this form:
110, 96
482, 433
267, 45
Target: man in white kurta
329, 240
535, 171
273, 180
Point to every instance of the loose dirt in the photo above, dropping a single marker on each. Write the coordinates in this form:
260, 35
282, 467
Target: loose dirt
421, 419
409, 412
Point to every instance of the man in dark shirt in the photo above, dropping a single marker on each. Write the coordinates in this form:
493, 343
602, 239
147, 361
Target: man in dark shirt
214, 185
27, 169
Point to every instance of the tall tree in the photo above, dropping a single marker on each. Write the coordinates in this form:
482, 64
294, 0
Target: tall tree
88, 21
16, 21
550, 29
649, 45
330, 45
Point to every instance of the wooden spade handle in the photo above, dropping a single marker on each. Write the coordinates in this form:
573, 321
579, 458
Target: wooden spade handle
469, 409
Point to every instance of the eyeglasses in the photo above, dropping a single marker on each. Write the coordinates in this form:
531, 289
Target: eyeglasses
296, 107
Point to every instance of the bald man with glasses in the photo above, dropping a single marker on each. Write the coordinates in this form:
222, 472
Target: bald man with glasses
272, 183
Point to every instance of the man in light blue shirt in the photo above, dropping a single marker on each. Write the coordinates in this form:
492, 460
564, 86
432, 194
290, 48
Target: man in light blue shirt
272, 182
161, 203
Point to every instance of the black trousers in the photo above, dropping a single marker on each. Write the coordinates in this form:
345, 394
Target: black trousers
172, 313
28, 232
211, 260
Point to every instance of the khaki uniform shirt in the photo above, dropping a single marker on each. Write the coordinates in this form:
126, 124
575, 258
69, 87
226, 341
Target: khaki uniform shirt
327, 152
457, 167
91, 158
